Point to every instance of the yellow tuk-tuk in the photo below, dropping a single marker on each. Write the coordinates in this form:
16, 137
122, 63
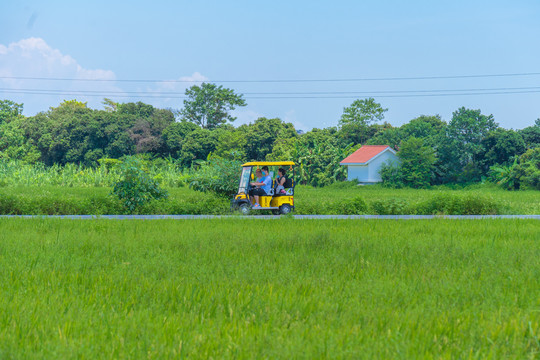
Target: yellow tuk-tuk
278, 203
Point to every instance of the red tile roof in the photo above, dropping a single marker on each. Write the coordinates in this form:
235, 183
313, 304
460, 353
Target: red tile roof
364, 154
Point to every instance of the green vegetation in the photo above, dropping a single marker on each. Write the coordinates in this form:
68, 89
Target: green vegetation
296, 289
470, 148
218, 176
136, 188
339, 198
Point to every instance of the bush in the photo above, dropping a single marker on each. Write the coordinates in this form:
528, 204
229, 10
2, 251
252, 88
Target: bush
469, 204
219, 176
354, 206
136, 187
391, 175
390, 207
415, 168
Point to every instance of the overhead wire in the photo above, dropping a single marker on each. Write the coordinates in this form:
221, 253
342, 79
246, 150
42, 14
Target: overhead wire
74, 93
278, 80
161, 93
283, 94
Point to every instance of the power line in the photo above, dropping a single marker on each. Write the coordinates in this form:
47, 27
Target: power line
280, 80
287, 97
161, 93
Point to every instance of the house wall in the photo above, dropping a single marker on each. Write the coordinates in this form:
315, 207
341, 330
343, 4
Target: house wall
370, 173
357, 172
375, 165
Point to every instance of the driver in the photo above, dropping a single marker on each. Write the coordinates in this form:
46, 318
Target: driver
261, 187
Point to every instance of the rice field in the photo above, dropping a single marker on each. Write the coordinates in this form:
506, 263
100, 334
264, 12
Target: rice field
282, 289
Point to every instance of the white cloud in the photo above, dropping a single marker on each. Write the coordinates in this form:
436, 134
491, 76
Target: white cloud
34, 58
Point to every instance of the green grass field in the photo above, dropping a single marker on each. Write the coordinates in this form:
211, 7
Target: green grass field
242, 288
335, 199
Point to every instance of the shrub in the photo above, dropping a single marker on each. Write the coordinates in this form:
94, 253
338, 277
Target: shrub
415, 168
391, 175
136, 188
354, 206
449, 204
390, 207
219, 176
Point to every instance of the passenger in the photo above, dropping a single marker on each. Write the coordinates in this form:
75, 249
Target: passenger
280, 182
262, 187
258, 175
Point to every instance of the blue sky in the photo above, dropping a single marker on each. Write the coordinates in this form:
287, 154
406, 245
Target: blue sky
278, 40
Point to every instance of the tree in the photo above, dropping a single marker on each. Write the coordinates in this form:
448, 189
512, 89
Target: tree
416, 166
109, 105
531, 135
174, 135
417, 162
528, 169
232, 144
262, 135
425, 127
360, 133
198, 145
364, 112
72, 132
390, 136
14, 145
460, 147
208, 105
500, 147
9, 110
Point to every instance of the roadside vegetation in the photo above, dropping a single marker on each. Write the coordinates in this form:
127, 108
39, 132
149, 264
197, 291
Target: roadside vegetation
340, 198
290, 289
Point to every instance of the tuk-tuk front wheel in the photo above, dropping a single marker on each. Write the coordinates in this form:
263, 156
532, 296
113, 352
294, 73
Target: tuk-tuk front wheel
285, 209
244, 209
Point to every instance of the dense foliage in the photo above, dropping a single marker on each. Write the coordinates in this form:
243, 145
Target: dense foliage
219, 176
470, 148
136, 187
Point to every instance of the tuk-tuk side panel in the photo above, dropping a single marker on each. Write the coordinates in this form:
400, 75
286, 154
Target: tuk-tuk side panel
280, 200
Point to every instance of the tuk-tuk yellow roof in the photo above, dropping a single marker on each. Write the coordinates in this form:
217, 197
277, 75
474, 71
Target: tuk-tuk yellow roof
268, 163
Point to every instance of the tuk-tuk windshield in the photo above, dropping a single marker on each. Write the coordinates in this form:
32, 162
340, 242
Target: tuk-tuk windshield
244, 180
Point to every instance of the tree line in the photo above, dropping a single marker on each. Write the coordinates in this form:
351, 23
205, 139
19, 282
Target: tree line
471, 147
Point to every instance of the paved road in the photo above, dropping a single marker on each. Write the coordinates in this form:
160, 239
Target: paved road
273, 217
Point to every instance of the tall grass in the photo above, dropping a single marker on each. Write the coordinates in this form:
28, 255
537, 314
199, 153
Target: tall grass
18, 173
269, 289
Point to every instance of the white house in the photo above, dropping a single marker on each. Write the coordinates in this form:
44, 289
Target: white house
364, 164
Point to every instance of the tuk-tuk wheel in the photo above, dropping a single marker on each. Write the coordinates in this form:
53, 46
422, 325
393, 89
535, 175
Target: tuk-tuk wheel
285, 209
244, 209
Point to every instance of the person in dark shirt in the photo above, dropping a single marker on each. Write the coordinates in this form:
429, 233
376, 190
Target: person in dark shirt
280, 181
